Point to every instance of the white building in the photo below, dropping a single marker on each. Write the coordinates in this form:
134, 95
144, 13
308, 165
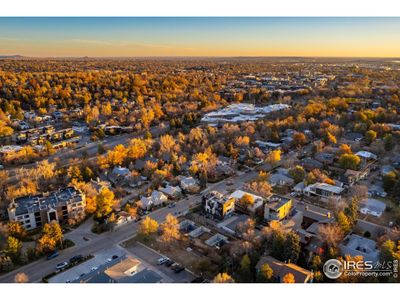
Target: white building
324, 190
372, 207
258, 200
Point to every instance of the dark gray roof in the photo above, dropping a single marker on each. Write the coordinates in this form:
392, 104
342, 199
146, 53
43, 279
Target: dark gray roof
29, 204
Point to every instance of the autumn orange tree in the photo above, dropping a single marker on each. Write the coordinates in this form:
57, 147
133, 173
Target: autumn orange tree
170, 230
51, 237
273, 157
288, 278
223, 278
148, 226
105, 202
246, 200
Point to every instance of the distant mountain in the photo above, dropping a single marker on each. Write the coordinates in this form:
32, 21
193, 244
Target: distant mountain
11, 56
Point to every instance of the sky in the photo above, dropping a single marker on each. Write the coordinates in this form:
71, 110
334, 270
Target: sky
194, 36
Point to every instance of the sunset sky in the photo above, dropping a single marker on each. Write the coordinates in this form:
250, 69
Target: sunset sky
70, 37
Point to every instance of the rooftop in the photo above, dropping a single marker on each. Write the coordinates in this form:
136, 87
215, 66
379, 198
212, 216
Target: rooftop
276, 201
29, 204
242, 112
327, 187
280, 269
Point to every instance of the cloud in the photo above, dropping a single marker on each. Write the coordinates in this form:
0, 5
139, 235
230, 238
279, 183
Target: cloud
3, 38
83, 41
123, 44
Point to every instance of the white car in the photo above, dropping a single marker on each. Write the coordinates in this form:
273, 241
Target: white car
62, 265
162, 260
94, 268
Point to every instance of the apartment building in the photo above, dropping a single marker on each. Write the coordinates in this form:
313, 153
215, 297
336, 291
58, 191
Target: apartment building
34, 211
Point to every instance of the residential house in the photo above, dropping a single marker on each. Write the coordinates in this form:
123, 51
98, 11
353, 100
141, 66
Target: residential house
277, 208
173, 192
119, 176
310, 164
355, 245
217, 240
232, 224
376, 190
325, 158
189, 184
372, 207
299, 188
324, 190
258, 200
280, 269
280, 180
351, 177
156, 198
386, 169
217, 205
352, 138
99, 184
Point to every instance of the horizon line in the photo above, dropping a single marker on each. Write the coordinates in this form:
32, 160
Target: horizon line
199, 56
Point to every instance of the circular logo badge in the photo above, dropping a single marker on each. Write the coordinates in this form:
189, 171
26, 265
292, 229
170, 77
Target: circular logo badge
333, 268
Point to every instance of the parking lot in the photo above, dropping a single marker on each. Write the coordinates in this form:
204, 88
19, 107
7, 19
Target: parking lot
151, 257
86, 267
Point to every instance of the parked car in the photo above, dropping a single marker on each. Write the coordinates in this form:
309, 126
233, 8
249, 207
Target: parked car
52, 255
62, 265
75, 259
1, 167
171, 205
114, 257
177, 268
169, 263
162, 260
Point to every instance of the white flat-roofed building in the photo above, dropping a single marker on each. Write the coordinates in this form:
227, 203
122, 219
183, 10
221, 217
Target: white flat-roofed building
240, 112
324, 190
366, 155
372, 207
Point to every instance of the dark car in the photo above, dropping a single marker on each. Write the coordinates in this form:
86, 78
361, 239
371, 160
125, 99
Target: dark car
76, 258
114, 257
52, 255
169, 263
177, 268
